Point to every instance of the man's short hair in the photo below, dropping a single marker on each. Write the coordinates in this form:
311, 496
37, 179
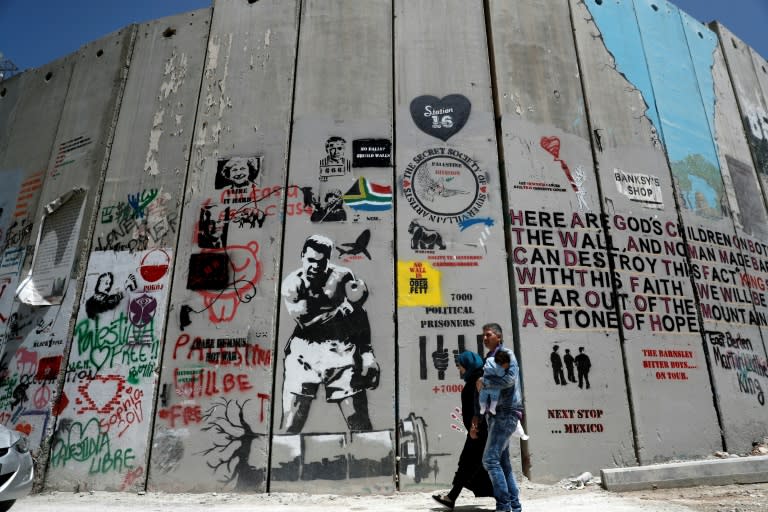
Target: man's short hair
496, 328
331, 140
320, 243
502, 357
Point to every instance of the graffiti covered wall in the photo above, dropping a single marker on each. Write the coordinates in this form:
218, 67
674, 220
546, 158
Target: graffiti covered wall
242, 246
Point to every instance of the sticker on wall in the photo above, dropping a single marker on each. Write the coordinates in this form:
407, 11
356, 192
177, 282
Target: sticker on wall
367, 196
639, 188
371, 152
441, 118
418, 284
444, 185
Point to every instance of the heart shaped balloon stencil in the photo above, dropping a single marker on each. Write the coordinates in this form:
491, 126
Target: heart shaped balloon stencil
441, 118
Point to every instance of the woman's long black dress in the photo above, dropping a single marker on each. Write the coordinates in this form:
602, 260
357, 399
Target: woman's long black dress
471, 474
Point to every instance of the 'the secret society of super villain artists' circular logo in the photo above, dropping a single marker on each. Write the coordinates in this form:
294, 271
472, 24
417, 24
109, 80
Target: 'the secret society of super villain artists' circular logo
444, 185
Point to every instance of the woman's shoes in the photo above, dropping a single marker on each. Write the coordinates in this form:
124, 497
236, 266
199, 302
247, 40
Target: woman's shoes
444, 500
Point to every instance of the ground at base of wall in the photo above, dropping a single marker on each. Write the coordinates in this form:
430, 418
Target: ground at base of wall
535, 498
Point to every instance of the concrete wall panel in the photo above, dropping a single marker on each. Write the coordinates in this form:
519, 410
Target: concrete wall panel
664, 362
752, 101
38, 98
452, 275
686, 103
28, 141
11, 89
334, 422
566, 308
212, 420
79, 154
738, 392
119, 331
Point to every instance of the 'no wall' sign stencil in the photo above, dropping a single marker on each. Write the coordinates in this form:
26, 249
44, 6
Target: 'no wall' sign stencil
440, 118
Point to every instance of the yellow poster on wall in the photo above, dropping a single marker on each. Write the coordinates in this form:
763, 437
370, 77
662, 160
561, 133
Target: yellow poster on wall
418, 284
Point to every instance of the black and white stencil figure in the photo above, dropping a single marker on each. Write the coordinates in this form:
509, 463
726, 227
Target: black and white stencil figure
424, 238
331, 343
103, 298
569, 362
334, 164
227, 422
19, 395
441, 118
335, 169
557, 366
237, 172
250, 217
583, 364
212, 230
359, 246
329, 208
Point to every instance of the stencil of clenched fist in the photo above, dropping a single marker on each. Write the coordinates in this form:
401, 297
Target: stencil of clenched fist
356, 290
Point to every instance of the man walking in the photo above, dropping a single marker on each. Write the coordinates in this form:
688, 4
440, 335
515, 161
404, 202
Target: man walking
509, 410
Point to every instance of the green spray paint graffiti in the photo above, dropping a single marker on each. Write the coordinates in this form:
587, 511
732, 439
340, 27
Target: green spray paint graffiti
87, 443
131, 345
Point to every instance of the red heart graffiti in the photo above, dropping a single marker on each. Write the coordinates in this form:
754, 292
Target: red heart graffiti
551, 145
107, 389
24, 428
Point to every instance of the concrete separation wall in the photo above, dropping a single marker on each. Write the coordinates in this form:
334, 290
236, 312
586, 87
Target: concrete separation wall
247, 242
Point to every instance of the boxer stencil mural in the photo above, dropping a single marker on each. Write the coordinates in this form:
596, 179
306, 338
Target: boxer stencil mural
331, 342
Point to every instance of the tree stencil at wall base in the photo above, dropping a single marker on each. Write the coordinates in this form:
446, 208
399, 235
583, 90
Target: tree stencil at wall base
233, 439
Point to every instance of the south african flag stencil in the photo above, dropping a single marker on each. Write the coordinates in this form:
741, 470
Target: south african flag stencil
369, 197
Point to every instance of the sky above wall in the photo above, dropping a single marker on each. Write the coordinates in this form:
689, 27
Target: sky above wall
35, 32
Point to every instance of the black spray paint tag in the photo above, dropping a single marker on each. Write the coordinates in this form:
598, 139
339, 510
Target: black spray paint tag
441, 118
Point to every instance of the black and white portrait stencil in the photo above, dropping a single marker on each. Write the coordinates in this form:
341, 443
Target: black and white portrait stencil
212, 227
237, 172
331, 343
335, 167
106, 296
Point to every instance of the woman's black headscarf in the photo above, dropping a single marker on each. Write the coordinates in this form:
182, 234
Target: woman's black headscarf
470, 361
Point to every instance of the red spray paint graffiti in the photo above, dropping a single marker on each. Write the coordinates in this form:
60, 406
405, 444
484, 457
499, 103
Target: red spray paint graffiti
552, 146
246, 272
